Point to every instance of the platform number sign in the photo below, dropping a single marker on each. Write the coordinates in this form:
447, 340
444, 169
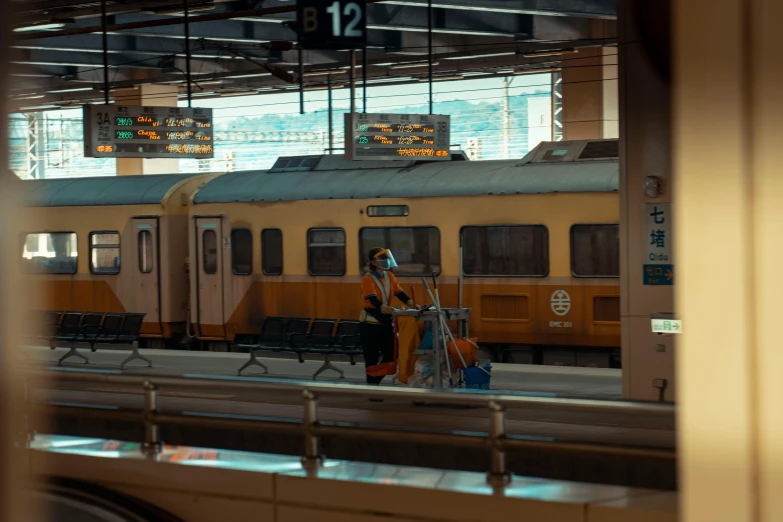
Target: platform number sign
332, 24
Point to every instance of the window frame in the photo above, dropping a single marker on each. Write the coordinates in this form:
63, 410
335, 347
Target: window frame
407, 211
345, 252
571, 248
233, 255
90, 248
518, 276
363, 253
51, 232
204, 251
282, 260
139, 234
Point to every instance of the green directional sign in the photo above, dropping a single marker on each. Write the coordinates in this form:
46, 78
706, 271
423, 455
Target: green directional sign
670, 326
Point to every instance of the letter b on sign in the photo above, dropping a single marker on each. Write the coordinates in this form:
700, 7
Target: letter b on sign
309, 19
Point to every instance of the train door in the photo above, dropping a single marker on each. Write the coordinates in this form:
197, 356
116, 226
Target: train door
146, 249
209, 294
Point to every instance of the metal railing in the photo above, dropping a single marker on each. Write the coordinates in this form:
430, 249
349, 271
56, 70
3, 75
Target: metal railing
312, 430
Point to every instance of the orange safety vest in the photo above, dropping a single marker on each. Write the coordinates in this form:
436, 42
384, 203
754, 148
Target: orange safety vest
382, 289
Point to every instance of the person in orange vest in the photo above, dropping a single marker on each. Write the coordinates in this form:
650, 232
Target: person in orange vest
376, 331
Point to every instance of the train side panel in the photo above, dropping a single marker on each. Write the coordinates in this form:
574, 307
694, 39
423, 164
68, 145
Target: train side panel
557, 309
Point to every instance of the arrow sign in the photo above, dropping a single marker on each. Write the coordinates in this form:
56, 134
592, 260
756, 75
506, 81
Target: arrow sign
669, 275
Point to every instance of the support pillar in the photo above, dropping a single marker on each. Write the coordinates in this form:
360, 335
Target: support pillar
728, 113
150, 96
589, 89
645, 151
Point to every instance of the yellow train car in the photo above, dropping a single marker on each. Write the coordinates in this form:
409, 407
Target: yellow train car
111, 244
540, 255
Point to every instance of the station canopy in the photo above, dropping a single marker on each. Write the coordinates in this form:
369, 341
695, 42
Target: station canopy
243, 47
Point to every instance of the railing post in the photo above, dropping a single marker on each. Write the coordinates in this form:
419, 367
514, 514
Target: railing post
151, 444
312, 458
498, 475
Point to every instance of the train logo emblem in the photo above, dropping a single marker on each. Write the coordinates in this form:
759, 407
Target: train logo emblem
560, 302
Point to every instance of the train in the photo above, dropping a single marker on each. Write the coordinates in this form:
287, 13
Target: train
208, 256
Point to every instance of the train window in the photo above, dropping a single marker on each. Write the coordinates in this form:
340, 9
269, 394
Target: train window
515, 250
210, 252
326, 251
595, 250
105, 252
387, 210
272, 251
50, 253
416, 249
146, 258
242, 251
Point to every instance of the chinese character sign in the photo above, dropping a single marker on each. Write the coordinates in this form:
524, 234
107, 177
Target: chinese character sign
658, 261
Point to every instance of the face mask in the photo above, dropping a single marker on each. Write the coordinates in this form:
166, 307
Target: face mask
384, 264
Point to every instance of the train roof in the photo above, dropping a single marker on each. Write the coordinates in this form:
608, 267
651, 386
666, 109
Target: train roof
572, 166
100, 191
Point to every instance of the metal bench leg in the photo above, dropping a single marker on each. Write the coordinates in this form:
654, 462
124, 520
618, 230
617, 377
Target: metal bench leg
327, 365
135, 355
253, 362
73, 353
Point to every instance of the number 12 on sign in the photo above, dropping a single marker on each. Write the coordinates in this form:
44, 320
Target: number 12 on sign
332, 24
353, 12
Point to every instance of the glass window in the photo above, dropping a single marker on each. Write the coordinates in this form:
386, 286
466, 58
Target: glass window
52, 253
506, 251
210, 252
146, 257
326, 251
105, 252
416, 249
595, 250
387, 210
242, 251
272, 251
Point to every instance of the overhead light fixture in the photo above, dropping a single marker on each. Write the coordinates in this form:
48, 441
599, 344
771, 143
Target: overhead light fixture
476, 56
442, 78
535, 71
536, 54
75, 89
326, 73
179, 10
323, 87
409, 65
50, 26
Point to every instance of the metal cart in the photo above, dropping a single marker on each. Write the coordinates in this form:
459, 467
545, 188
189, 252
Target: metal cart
439, 349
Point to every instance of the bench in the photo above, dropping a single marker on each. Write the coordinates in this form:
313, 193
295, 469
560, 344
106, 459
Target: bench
326, 337
93, 328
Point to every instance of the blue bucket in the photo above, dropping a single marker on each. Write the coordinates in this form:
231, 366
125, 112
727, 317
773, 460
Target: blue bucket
426, 341
476, 378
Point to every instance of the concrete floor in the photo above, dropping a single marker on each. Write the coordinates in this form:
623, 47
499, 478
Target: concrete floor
549, 381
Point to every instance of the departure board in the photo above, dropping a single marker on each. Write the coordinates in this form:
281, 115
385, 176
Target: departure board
116, 131
397, 136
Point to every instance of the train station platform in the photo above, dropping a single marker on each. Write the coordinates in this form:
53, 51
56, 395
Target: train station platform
546, 381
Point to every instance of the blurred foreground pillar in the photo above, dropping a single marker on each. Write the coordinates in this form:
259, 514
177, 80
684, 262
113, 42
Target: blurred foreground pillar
727, 140
149, 96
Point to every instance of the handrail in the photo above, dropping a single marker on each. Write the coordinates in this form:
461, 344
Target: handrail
497, 440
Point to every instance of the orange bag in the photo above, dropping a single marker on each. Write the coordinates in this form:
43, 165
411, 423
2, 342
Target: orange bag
388, 367
467, 347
